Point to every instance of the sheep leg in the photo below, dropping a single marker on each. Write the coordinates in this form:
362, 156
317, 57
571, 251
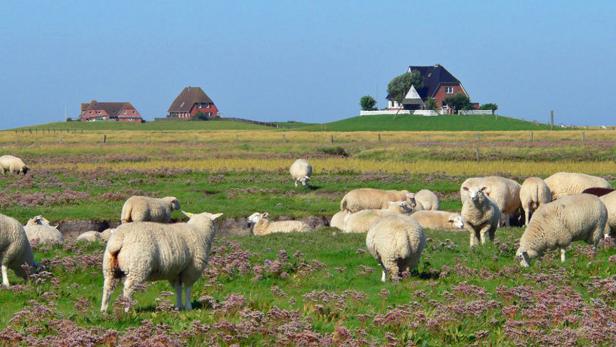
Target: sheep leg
108, 286
562, 255
178, 295
188, 305
5, 276
391, 267
486, 231
295, 183
526, 216
129, 288
474, 238
383, 276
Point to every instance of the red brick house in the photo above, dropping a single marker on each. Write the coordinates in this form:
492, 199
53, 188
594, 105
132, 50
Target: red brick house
191, 102
115, 111
438, 83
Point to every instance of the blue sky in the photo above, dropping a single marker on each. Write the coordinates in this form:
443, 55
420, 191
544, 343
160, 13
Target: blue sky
303, 60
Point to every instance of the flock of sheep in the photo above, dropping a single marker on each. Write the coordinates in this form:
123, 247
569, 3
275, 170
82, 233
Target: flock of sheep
145, 247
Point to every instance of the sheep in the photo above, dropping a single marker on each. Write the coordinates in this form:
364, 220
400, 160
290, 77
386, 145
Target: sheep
369, 198
426, 200
147, 251
609, 200
301, 171
598, 191
568, 183
15, 250
503, 191
533, 193
262, 226
89, 236
362, 221
337, 220
396, 242
40, 231
481, 215
12, 164
143, 208
106, 234
440, 220
580, 217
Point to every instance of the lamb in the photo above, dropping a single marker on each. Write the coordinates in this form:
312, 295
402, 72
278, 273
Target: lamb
40, 231
396, 242
609, 200
146, 251
362, 221
481, 215
12, 164
15, 249
369, 198
337, 220
301, 171
568, 183
426, 200
143, 208
533, 193
580, 217
439, 220
503, 191
262, 226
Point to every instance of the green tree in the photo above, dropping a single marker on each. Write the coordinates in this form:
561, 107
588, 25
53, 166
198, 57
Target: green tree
489, 106
201, 116
367, 103
458, 102
400, 85
431, 104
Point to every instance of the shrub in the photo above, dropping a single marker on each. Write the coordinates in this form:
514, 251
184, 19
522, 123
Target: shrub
338, 151
367, 103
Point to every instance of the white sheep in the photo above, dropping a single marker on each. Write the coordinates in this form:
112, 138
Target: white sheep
504, 192
106, 234
146, 251
89, 236
262, 226
533, 193
12, 164
370, 198
396, 242
580, 217
15, 249
362, 221
568, 183
426, 200
40, 231
337, 220
144, 208
301, 171
480, 214
609, 200
439, 220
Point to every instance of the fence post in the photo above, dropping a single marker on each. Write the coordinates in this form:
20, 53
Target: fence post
477, 147
531, 136
583, 136
332, 138
104, 138
379, 137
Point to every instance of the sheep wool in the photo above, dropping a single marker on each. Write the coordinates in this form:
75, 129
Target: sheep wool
439, 220
503, 191
146, 251
396, 242
337, 220
262, 225
43, 234
609, 200
370, 198
568, 183
481, 216
427, 200
580, 217
143, 208
13, 164
533, 193
89, 236
362, 221
15, 249
301, 171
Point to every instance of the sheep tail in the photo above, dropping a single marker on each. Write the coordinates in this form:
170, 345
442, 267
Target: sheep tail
114, 246
126, 212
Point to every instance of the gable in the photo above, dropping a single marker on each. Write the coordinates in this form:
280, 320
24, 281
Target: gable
188, 97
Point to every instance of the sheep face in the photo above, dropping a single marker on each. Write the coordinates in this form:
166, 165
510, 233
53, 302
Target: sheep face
524, 256
404, 207
175, 204
25, 170
477, 195
304, 180
38, 220
457, 221
256, 217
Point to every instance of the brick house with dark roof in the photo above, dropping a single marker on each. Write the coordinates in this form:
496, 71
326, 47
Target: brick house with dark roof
191, 102
114, 111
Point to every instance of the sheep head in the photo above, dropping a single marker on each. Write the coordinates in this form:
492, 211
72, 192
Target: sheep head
477, 195
304, 180
38, 220
457, 221
173, 202
524, 256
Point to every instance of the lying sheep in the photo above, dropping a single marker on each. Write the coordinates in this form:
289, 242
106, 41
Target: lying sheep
369, 198
301, 171
89, 236
12, 164
568, 183
337, 220
439, 220
38, 230
146, 251
609, 200
580, 217
143, 208
533, 193
362, 221
426, 200
396, 242
15, 249
262, 226
480, 214
503, 191
106, 234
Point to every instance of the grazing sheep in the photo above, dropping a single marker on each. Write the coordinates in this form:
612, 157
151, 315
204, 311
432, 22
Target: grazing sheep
396, 242
337, 220
426, 200
301, 171
38, 230
534, 193
598, 191
481, 215
143, 208
568, 183
609, 200
12, 164
15, 249
503, 191
439, 220
262, 226
369, 198
362, 221
580, 217
146, 251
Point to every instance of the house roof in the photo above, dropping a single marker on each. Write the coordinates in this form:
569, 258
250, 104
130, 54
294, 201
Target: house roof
412, 97
112, 108
187, 98
433, 77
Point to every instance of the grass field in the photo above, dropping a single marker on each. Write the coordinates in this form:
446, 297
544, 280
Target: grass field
261, 291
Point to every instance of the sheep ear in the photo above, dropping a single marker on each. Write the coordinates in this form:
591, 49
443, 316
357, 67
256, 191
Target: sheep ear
483, 189
215, 216
265, 214
187, 214
465, 188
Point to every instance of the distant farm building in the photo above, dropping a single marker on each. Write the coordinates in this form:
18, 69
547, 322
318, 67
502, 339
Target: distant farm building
192, 103
112, 111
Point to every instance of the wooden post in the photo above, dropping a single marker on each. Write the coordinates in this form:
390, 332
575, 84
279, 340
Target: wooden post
552, 120
583, 136
332, 138
379, 137
477, 147
104, 138
531, 136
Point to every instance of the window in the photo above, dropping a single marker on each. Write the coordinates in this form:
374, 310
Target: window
448, 90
